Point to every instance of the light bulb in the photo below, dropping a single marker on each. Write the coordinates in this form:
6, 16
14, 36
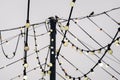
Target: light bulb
92, 52
67, 76
49, 72
117, 42
110, 51
43, 73
101, 64
27, 25
50, 64
99, 51
66, 43
81, 52
62, 27
51, 30
66, 28
25, 65
26, 48
25, 77
86, 78
72, 4
52, 40
76, 39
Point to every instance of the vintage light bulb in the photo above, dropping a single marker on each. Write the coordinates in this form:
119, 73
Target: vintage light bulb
51, 30
43, 73
62, 27
26, 48
27, 25
72, 4
85, 78
99, 51
66, 28
110, 51
49, 72
92, 52
117, 42
50, 64
25, 77
101, 64
25, 65
52, 40
66, 43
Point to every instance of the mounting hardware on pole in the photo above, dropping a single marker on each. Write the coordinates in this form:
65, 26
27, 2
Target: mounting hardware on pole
53, 47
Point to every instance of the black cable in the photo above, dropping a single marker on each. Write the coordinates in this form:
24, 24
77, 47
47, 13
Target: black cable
36, 50
111, 18
68, 23
22, 58
1, 43
99, 27
91, 59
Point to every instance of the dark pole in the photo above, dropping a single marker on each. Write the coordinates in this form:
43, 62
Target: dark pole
26, 47
53, 48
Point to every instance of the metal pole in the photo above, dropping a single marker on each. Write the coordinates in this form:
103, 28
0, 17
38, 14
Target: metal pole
53, 48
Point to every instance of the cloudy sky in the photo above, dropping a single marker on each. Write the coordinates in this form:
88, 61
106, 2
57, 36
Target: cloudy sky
13, 14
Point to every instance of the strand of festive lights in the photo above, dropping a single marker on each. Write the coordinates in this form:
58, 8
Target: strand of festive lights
81, 50
66, 27
10, 64
66, 74
26, 47
36, 49
64, 20
14, 52
46, 59
33, 69
109, 50
73, 78
91, 69
99, 61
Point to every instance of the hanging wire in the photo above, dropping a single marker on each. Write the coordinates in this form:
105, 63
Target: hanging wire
1, 43
36, 50
86, 55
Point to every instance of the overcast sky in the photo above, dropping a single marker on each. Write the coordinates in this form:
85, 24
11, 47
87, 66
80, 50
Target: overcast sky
13, 14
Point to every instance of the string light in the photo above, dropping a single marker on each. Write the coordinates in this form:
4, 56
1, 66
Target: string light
27, 25
49, 72
117, 42
65, 43
50, 64
92, 52
25, 77
101, 64
25, 65
99, 51
26, 48
85, 77
72, 3
110, 51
